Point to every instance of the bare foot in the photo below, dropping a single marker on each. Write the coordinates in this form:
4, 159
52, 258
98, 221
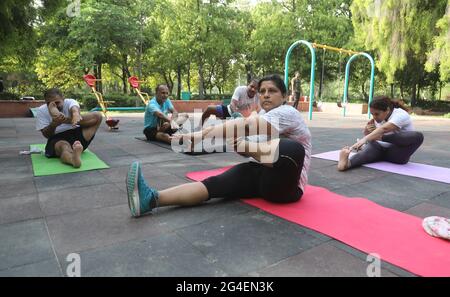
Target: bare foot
77, 150
53, 109
343, 159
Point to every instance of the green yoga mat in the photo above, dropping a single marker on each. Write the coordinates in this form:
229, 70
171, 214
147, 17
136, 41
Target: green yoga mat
49, 166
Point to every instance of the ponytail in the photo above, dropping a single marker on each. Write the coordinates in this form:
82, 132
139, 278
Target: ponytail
383, 102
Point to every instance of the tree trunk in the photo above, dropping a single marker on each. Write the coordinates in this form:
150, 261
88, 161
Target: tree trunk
179, 82
402, 96
440, 90
392, 90
201, 90
248, 70
125, 73
363, 89
189, 77
413, 95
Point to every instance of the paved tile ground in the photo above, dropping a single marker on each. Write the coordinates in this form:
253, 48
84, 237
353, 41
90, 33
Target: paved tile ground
43, 219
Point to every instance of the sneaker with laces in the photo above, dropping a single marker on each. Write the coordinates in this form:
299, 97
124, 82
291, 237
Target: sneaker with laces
141, 197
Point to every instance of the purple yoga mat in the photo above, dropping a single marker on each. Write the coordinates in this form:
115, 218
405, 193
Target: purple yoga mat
440, 174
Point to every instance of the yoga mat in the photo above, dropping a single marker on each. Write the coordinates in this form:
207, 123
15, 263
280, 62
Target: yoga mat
440, 174
398, 238
168, 146
49, 166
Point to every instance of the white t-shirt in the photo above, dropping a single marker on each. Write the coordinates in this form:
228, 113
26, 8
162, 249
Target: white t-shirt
290, 124
399, 118
43, 117
243, 102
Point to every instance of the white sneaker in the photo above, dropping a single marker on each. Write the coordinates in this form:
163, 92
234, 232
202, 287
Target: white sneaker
437, 227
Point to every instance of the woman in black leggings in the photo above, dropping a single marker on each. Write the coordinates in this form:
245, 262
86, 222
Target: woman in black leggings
278, 175
389, 136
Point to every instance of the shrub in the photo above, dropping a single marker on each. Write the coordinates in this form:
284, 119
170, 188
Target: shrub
9, 96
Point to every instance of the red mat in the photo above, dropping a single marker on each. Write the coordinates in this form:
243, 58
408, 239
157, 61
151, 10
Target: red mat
398, 238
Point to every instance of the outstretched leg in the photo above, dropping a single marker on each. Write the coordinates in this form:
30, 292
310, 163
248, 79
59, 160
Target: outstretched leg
142, 198
372, 152
210, 110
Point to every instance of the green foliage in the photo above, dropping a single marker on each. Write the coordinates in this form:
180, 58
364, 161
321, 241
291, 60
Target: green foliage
210, 47
9, 96
113, 100
439, 57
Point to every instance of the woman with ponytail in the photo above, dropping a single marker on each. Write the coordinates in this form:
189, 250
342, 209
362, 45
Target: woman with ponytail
389, 136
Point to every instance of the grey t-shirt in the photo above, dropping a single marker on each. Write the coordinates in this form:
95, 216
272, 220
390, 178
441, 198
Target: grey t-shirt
43, 118
290, 124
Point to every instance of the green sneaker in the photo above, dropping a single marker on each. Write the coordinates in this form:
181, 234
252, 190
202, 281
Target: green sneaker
141, 198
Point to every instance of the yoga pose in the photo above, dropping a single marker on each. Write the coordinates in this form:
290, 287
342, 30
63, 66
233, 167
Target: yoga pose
68, 132
389, 136
278, 172
244, 101
157, 124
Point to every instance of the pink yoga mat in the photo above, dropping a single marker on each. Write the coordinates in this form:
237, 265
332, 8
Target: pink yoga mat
398, 238
440, 174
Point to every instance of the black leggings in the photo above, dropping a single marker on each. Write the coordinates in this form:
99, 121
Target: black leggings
404, 144
253, 180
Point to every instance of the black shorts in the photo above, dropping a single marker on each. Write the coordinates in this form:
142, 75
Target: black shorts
150, 133
222, 111
70, 136
251, 180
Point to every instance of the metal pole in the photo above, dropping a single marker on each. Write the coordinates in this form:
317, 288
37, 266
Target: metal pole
372, 80
312, 75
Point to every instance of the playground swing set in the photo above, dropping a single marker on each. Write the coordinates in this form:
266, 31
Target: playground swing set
312, 48
91, 81
135, 82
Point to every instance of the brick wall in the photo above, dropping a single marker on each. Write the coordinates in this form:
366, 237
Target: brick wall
17, 109
190, 105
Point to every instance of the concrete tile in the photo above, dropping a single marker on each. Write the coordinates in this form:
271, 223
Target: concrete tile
69, 180
19, 208
13, 174
82, 198
17, 187
395, 191
24, 243
324, 260
363, 256
180, 217
247, 242
47, 268
118, 174
332, 178
99, 227
424, 210
165, 255
442, 200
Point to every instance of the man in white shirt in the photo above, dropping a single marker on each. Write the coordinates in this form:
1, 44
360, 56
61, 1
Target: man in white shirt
68, 133
245, 100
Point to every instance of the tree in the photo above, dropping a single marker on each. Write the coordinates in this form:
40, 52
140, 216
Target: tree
399, 31
439, 57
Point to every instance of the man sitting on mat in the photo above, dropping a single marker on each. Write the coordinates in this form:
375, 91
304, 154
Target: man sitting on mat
68, 133
157, 124
245, 100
